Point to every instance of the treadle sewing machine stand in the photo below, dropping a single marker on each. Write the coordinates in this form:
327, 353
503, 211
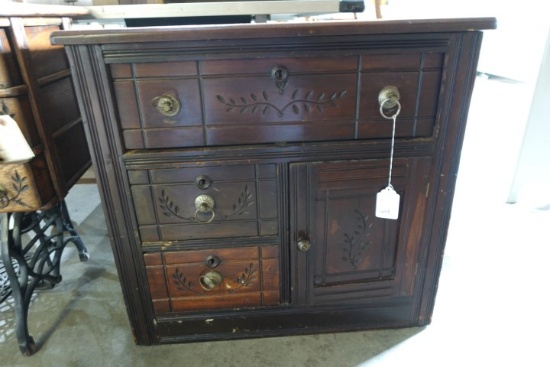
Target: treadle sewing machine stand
31, 245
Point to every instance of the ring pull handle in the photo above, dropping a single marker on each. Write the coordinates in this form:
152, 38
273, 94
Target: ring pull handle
210, 280
388, 98
205, 207
167, 104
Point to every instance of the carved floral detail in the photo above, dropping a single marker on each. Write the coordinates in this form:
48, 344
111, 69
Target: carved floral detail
262, 104
244, 201
169, 209
244, 279
182, 284
356, 242
19, 185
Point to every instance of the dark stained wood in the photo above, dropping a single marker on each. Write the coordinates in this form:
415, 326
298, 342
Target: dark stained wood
277, 177
248, 279
290, 30
36, 89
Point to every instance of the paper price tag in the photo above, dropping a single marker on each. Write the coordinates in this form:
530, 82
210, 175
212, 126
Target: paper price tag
387, 204
13, 145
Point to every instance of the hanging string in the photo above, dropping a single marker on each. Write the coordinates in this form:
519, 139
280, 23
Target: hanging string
394, 102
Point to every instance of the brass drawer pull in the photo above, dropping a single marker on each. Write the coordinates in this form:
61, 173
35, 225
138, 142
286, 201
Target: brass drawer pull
205, 207
303, 245
210, 280
167, 104
388, 98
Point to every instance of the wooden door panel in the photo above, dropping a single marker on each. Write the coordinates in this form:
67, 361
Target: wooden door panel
354, 254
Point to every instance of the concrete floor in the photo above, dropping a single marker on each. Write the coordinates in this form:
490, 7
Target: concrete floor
491, 309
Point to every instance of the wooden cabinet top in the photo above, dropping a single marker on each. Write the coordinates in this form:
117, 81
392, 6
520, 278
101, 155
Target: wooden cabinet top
267, 30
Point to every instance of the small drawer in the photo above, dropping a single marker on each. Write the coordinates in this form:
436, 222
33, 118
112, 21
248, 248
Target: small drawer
199, 202
25, 187
214, 279
417, 76
159, 104
273, 100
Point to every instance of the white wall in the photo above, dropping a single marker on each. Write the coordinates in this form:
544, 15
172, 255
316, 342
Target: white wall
58, 2
532, 178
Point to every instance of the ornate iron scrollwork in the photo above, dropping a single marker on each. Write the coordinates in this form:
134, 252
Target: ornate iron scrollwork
31, 249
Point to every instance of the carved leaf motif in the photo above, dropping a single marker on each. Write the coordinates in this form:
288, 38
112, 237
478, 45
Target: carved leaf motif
295, 105
355, 245
245, 279
182, 284
18, 185
168, 207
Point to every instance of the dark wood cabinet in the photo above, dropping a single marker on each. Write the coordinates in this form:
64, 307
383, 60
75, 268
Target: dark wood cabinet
239, 167
36, 90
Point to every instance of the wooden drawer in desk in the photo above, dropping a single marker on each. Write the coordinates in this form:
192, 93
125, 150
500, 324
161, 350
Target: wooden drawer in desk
244, 201
267, 100
226, 278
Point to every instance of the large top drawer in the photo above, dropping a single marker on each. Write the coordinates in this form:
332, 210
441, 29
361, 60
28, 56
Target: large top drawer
271, 100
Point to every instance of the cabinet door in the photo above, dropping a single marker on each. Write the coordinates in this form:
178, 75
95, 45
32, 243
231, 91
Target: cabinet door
355, 257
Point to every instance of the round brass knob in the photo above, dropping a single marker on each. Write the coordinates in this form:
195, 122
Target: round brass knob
303, 245
388, 97
210, 280
205, 207
167, 104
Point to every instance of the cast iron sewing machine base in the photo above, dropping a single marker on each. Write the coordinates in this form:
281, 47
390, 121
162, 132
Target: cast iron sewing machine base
31, 245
